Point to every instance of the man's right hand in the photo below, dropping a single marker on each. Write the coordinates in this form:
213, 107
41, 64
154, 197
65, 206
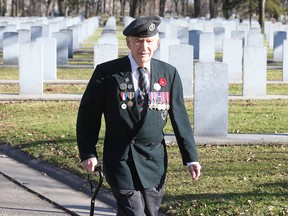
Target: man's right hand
90, 164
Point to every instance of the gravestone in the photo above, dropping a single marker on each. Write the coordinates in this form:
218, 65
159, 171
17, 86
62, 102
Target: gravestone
219, 37
211, 99
10, 48
162, 53
181, 57
36, 32
285, 61
31, 68
2, 30
194, 37
232, 56
255, 40
279, 37
49, 57
254, 71
207, 47
24, 36
236, 34
104, 52
75, 37
69, 34
182, 34
62, 47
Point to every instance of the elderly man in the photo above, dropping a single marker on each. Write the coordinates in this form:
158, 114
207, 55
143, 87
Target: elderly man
135, 93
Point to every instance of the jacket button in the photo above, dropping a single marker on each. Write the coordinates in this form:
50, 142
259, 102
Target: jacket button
132, 142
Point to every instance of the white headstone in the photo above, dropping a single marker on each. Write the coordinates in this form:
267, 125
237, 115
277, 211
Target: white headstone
49, 57
10, 48
219, 37
285, 61
211, 99
279, 37
255, 39
254, 71
207, 47
232, 56
162, 53
181, 57
104, 52
31, 68
62, 47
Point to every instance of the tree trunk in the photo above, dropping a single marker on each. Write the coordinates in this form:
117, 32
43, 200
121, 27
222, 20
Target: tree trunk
261, 5
197, 7
87, 3
213, 8
162, 8
60, 7
122, 9
133, 8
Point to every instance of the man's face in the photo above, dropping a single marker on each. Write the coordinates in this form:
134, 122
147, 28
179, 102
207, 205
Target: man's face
142, 49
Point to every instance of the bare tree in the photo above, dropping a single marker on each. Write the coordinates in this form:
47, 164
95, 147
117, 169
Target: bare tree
184, 5
133, 8
213, 8
197, 7
162, 8
261, 5
122, 7
61, 7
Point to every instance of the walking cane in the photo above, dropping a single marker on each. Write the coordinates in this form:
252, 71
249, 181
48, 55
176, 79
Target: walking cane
96, 189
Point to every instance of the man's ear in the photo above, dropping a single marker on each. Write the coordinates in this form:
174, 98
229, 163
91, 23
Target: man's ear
128, 42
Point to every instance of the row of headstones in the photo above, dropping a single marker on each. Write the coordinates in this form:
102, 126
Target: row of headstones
206, 122
49, 52
187, 31
106, 47
68, 36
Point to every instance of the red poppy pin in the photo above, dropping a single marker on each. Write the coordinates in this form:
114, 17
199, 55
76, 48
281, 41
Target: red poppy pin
162, 81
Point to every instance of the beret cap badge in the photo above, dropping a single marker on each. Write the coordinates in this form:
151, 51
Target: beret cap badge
151, 27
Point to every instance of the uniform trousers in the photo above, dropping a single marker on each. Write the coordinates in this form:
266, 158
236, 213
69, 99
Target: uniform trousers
144, 202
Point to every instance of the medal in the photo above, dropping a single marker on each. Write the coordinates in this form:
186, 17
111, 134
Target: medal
123, 106
123, 86
156, 87
130, 86
130, 103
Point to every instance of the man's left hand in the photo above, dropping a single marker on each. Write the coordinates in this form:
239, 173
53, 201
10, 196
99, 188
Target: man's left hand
194, 170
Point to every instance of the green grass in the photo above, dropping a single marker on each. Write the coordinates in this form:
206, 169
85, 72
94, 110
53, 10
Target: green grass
236, 180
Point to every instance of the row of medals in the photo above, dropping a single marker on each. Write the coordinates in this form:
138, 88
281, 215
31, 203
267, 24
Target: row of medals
157, 100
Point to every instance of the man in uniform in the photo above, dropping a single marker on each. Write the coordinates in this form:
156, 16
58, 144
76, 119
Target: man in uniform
136, 94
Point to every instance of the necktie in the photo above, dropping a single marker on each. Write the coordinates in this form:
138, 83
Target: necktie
143, 89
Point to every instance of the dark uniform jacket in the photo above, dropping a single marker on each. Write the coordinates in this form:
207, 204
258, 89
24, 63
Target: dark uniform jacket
134, 147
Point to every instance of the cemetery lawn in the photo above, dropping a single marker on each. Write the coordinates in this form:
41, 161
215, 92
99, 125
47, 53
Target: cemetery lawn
236, 180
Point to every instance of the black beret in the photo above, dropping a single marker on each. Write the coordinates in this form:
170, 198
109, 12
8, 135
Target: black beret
143, 27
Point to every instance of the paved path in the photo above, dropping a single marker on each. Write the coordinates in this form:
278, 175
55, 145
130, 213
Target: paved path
38, 188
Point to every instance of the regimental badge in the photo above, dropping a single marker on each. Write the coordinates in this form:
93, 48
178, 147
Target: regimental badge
152, 27
164, 115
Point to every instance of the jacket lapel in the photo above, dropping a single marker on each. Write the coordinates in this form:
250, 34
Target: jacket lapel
126, 87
